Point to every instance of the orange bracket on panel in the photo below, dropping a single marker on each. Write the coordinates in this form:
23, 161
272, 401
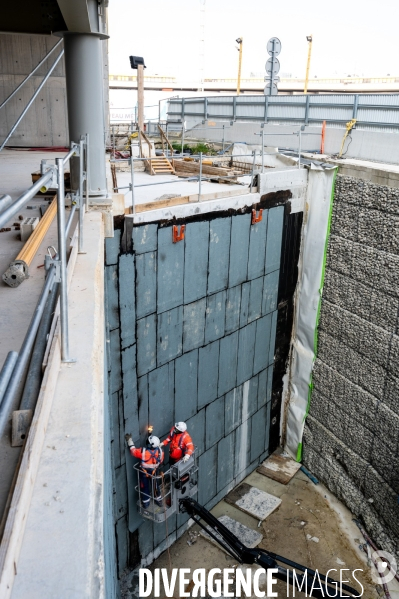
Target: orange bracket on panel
255, 218
175, 233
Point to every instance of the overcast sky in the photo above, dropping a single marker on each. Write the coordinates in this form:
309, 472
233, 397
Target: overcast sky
349, 36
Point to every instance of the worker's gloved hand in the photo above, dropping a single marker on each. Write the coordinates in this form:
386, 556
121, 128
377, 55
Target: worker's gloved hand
161, 444
129, 440
186, 458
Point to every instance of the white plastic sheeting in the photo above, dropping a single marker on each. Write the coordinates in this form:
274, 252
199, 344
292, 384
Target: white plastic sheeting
317, 216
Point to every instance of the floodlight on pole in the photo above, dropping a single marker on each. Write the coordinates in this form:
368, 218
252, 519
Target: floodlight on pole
239, 42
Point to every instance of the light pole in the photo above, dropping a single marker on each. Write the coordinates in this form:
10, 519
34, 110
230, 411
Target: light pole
310, 40
239, 42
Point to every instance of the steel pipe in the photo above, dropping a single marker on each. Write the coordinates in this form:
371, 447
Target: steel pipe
18, 270
81, 202
24, 354
62, 260
6, 372
69, 221
31, 100
34, 375
12, 210
5, 202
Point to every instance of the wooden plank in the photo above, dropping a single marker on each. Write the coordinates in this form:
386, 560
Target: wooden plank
190, 198
279, 467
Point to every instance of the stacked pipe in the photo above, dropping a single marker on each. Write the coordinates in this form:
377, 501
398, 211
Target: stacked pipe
18, 270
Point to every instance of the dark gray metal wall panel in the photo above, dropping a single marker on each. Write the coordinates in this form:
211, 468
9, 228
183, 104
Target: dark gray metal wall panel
207, 475
169, 335
214, 422
186, 383
245, 291
169, 271
130, 391
233, 309
194, 325
146, 537
239, 246
111, 290
233, 409
161, 398
274, 237
143, 408
115, 352
120, 506
208, 373
145, 238
258, 433
127, 300
146, 344
146, 268
225, 473
196, 241
219, 250
228, 363
255, 299
262, 343
121, 428
160, 531
112, 248
246, 348
257, 245
252, 395
122, 544
273, 337
114, 419
196, 428
262, 388
242, 447
270, 292
215, 316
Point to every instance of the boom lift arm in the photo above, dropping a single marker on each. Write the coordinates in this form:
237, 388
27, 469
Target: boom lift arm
263, 558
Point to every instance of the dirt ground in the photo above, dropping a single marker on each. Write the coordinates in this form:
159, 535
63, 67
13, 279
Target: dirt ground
310, 527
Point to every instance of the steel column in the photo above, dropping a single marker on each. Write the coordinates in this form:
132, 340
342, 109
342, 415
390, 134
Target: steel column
84, 84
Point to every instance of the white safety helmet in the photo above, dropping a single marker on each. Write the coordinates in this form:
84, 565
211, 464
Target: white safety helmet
153, 441
181, 427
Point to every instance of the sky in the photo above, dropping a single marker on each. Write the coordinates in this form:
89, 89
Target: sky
352, 37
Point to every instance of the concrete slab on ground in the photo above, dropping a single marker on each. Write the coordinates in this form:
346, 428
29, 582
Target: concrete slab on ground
249, 537
279, 466
253, 501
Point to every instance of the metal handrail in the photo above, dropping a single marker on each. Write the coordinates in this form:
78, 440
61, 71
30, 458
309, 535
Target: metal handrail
31, 73
13, 371
31, 100
23, 199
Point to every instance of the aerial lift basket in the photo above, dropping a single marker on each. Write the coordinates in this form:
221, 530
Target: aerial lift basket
179, 482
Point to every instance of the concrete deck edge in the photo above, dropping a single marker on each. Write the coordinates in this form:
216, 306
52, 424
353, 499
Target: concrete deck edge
37, 563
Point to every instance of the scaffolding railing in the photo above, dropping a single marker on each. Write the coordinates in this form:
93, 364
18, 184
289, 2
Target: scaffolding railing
52, 177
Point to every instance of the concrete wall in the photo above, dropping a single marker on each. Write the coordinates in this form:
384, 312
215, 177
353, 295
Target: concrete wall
192, 329
46, 122
351, 439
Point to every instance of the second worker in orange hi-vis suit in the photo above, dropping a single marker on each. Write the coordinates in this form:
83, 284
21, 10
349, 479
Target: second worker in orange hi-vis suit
181, 444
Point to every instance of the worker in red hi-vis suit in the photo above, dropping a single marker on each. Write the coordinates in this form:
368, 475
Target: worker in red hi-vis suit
181, 444
151, 458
